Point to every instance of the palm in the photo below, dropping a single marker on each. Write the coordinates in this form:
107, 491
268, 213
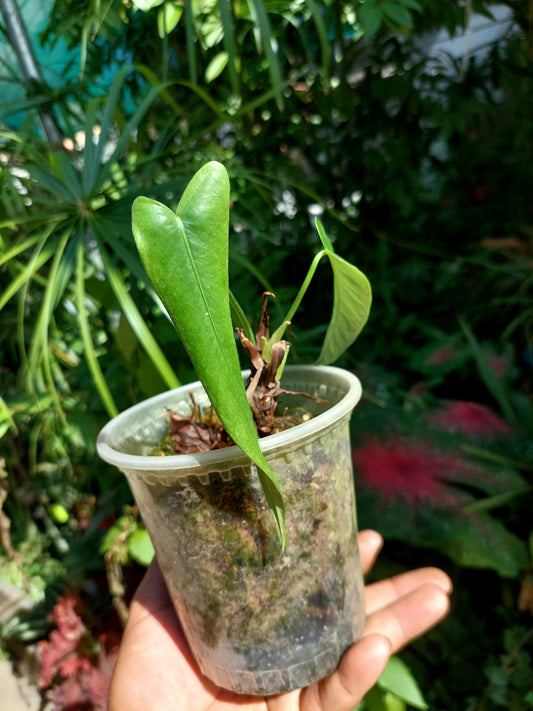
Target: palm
155, 670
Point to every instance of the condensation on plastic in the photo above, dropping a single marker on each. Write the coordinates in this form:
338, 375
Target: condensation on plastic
258, 620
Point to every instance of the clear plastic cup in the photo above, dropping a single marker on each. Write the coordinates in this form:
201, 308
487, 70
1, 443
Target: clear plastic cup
259, 620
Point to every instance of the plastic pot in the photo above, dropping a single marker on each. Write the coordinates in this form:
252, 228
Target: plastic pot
258, 620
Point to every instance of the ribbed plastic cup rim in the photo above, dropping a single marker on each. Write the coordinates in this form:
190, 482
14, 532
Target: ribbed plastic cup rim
268, 444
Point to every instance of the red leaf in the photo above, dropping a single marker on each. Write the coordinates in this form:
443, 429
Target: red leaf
415, 473
75, 677
441, 355
468, 418
62, 641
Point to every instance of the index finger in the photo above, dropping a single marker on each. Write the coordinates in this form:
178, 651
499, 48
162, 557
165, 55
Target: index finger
370, 544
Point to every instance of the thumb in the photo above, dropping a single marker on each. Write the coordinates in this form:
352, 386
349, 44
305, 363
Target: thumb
357, 673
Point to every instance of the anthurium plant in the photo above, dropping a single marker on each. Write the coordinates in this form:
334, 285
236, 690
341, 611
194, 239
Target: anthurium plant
185, 254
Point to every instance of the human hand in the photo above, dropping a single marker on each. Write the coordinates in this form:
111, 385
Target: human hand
156, 672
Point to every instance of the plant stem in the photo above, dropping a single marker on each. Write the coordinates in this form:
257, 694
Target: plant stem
241, 317
301, 293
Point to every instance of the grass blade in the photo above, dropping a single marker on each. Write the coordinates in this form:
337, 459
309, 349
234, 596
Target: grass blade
108, 116
18, 249
127, 133
91, 152
226, 18
6, 419
269, 45
325, 45
89, 350
39, 354
191, 42
240, 317
494, 385
39, 258
138, 324
52, 184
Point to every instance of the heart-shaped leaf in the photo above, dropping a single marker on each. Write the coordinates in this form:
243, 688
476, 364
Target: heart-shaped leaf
185, 254
352, 297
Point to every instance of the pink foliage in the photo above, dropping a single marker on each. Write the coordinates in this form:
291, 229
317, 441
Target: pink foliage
441, 355
416, 473
76, 669
499, 365
468, 418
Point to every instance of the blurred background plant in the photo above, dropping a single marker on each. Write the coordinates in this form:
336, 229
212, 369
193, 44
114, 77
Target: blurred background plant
416, 152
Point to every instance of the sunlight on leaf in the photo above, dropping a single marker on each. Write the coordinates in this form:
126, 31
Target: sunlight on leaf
140, 547
397, 678
185, 255
168, 17
147, 5
216, 66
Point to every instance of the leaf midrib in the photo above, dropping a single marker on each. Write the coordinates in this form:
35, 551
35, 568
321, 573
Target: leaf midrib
205, 300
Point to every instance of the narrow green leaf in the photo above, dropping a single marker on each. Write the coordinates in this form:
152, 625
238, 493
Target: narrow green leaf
155, 81
489, 503
326, 242
109, 112
185, 255
495, 385
6, 418
301, 292
325, 45
52, 184
397, 679
204, 95
50, 217
91, 152
268, 43
216, 66
224, 7
16, 249
352, 297
41, 255
138, 324
90, 354
55, 285
239, 317
68, 174
127, 133
274, 338
40, 353
262, 99
84, 40
190, 38
281, 366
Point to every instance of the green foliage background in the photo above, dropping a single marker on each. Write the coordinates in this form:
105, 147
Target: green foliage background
420, 169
